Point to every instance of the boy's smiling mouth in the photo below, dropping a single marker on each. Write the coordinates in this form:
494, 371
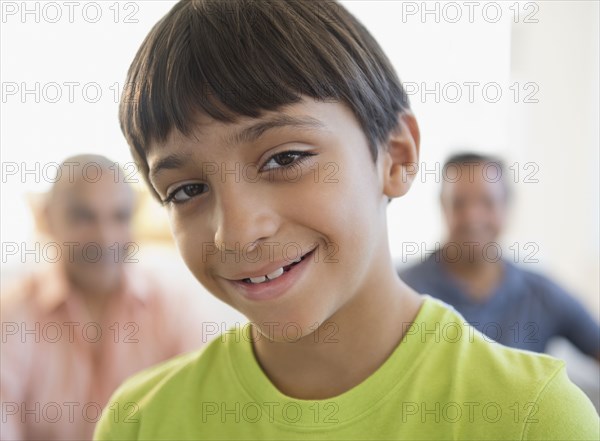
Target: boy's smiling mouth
261, 286
273, 275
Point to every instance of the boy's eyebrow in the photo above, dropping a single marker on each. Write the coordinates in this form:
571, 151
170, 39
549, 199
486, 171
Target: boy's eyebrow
246, 135
255, 131
169, 162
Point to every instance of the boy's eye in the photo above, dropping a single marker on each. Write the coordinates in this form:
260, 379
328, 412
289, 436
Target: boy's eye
280, 160
285, 159
185, 193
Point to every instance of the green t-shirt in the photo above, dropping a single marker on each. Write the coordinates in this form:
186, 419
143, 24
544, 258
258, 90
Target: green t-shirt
445, 380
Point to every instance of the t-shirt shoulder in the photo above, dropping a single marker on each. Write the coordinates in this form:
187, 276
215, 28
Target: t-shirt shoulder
531, 387
125, 409
562, 411
503, 363
160, 375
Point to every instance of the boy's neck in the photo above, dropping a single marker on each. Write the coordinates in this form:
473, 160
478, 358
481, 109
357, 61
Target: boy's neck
369, 328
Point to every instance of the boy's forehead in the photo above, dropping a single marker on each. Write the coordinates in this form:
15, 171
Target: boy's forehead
306, 115
308, 110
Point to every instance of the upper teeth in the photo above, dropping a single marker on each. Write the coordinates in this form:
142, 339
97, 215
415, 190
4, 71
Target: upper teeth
278, 272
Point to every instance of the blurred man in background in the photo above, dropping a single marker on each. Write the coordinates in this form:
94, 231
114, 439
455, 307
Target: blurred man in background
513, 306
75, 328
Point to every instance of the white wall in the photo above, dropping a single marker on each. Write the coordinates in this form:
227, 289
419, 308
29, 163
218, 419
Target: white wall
560, 133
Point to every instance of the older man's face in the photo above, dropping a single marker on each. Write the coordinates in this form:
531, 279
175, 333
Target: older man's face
91, 223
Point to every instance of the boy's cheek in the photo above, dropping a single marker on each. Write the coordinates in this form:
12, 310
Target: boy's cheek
197, 252
198, 256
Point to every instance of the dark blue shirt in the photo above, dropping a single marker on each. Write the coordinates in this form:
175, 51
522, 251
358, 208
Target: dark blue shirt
524, 311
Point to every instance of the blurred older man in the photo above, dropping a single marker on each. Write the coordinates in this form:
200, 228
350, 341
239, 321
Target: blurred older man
76, 328
511, 305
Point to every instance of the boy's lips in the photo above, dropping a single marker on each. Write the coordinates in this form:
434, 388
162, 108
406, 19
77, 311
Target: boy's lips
268, 269
285, 275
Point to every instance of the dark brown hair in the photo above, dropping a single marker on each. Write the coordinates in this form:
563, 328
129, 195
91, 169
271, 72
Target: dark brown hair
479, 159
241, 57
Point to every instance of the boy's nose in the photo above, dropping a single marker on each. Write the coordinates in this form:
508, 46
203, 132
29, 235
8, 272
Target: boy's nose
244, 219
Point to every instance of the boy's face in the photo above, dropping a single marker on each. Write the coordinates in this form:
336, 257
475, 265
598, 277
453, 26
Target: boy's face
238, 212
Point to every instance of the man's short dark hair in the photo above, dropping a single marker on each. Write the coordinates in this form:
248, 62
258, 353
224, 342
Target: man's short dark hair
478, 159
236, 58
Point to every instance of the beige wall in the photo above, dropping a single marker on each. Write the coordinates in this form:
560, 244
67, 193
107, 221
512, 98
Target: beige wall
560, 133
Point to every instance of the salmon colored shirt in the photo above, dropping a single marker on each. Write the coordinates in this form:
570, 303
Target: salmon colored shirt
59, 367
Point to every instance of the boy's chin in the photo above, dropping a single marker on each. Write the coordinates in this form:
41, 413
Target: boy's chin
292, 329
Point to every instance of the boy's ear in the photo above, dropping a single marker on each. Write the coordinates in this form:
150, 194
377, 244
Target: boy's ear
401, 156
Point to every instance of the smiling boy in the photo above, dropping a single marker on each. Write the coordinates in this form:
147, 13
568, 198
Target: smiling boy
275, 134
